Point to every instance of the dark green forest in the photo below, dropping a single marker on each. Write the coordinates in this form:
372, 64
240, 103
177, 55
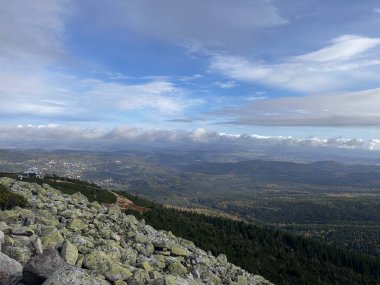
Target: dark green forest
281, 257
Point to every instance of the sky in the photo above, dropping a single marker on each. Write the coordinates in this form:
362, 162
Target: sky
173, 70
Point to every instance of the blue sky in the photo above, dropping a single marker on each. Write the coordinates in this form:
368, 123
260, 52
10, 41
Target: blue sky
274, 68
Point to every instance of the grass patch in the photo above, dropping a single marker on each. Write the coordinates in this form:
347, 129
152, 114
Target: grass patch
71, 186
9, 200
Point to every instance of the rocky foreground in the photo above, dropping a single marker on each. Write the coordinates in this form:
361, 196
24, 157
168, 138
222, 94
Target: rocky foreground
64, 239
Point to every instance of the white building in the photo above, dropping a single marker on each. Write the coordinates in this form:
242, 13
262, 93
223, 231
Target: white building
34, 172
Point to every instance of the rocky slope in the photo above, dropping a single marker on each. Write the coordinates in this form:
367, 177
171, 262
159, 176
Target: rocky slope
63, 239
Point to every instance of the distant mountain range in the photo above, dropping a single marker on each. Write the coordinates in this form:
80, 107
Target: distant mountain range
320, 173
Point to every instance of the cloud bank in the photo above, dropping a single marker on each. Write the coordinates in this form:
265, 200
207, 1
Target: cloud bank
358, 109
122, 137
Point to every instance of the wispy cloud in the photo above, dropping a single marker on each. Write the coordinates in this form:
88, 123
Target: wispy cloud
343, 48
347, 63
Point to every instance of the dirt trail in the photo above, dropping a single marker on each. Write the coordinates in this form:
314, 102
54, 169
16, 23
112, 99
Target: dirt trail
124, 203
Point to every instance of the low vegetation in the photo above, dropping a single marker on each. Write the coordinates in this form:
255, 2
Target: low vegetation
70, 186
9, 200
90, 190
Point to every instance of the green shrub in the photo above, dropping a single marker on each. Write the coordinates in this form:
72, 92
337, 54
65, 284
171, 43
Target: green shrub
9, 200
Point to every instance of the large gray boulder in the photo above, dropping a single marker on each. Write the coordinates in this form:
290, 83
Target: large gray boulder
74, 276
40, 267
10, 269
2, 236
103, 264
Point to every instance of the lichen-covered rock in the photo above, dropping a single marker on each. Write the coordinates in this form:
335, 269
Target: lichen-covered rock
76, 225
22, 231
222, 258
51, 238
6, 181
73, 276
2, 237
69, 253
40, 267
146, 266
37, 244
20, 253
10, 269
106, 266
177, 268
177, 250
242, 280
79, 197
16, 215
46, 218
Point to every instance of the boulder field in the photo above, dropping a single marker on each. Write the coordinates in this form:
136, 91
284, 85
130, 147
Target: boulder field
65, 239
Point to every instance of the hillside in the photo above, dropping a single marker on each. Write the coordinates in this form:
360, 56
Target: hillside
279, 257
65, 239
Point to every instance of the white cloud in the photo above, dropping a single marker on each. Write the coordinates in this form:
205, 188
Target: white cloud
342, 48
32, 44
331, 110
349, 62
64, 97
225, 85
64, 136
157, 95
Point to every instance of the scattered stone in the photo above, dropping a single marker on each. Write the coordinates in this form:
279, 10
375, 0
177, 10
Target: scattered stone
40, 267
222, 258
37, 245
2, 237
69, 253
106, 266
76, 225
242, 280
73, 276
23, 231
146, 266
176, 250
51, 238
20, 253
10, 269
80, 260
177, 268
